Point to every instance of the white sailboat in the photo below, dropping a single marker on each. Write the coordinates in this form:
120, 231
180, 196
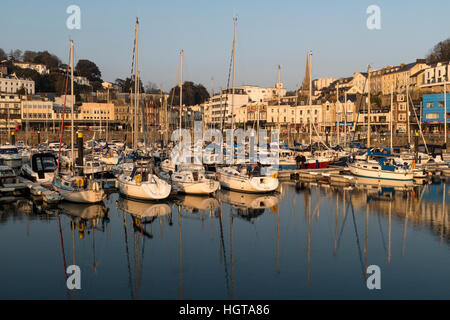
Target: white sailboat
231, 178
191, 182
76, 188
142, 184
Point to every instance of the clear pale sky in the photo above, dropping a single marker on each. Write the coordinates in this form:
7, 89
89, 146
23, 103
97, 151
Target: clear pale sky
270, 33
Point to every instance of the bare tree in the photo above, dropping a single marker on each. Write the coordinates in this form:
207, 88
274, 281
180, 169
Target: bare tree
440, 52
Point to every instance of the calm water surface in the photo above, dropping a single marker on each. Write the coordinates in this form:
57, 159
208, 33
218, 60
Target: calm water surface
308, 241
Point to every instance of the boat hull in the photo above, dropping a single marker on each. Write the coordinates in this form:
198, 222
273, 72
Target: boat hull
380, 174
248, 184
88, 196
199, 188
143, 191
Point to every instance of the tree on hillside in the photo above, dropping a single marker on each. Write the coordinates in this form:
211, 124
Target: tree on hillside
151, 87
88, 69
3, 55
29, 56
15, 55
193, 94
126, 84
440, 52
50, 60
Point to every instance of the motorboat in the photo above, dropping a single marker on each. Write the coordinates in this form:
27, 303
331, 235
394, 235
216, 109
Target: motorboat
9, 156
382, 169
41, 168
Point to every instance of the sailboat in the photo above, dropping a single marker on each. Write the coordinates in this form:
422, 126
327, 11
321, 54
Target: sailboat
241, 180
142, 184
191, 182
71, 187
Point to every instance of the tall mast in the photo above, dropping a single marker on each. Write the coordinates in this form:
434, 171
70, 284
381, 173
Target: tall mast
181, 86
390, 116
407, 110
234, 74
345, 120
73, 103
338, 119
445, 113
310, 100
136, 85
368, 112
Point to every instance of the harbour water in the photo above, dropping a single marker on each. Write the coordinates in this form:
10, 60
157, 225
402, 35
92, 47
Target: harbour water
308, 241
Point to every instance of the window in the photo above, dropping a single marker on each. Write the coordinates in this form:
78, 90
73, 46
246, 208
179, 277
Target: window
441, 104
430, 104
431, 116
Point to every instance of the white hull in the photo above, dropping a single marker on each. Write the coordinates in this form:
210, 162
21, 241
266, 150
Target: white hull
87, 196
145, 190
380, 174
198, 188
243, 183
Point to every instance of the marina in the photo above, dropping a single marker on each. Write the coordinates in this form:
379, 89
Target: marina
305, 241
186, 154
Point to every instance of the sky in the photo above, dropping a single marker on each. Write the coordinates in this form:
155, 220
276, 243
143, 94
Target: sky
269, 33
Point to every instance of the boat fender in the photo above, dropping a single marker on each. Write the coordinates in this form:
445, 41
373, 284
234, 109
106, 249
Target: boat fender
275, 175
95, 186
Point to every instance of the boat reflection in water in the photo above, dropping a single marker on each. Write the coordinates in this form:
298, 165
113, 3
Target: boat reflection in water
370, 183
197, 204
89, 214
143, 210
249, 206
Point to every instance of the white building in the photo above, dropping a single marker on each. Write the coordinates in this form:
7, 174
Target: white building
12, 84
437, 73
40, 68
321, 83
82, 81
219, 108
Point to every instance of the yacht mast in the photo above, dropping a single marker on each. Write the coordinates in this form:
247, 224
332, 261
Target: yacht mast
368, 111
234, 74
310, 101
390, 116
73, 103
181, 85
136, 85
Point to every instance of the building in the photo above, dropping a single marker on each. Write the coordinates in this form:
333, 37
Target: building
437, 73
398, 77
40, 68
10, 111
321, 83
433, 112
37, 112
219, 108
12, 84
82, 81
95, 114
